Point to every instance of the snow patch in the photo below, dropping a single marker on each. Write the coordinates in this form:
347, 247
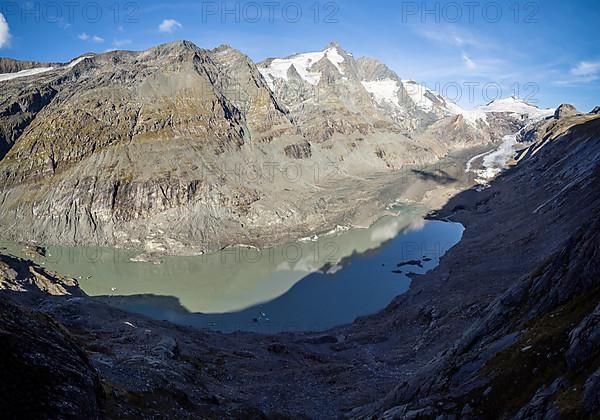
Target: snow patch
418, 94
384, 91
471, 116
335, 58
24, 73
515, 105
78, 60
278, 69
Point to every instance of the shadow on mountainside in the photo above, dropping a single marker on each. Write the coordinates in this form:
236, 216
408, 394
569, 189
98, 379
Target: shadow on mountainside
438, 176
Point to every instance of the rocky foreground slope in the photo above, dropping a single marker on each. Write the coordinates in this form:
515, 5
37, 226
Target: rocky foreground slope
506, 326
179, 149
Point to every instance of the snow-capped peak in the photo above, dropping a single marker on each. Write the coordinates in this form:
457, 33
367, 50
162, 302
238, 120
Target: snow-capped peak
426, 100
384, 91
76, 61
303, 63
420, 95
516, 105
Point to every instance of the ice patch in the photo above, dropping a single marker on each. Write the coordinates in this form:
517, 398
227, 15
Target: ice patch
78, 60
494, 162
384, 91
278, 69
418, 94
24, 73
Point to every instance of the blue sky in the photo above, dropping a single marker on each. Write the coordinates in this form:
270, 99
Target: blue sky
545, 51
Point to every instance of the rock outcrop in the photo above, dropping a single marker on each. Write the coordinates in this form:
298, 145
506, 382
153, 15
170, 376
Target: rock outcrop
565, 110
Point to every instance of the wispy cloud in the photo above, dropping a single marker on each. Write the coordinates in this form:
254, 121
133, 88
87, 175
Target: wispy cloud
468, 62
92, 38
470, 48
452, 35
169, 26
4, 32
586, 68
581, 74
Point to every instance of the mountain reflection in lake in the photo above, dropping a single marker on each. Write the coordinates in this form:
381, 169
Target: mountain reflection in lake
304, 285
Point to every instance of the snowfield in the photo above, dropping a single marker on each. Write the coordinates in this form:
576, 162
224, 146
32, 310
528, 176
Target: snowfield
384, 91
517, 106
278, 69
419, 93
78, 60
24, 73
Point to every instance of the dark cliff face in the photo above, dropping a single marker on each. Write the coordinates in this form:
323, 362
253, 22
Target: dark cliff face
45, 374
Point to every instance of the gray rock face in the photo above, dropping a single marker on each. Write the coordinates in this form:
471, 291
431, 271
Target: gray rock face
596, 110
298, 151
591, 393
565, 110
584, 340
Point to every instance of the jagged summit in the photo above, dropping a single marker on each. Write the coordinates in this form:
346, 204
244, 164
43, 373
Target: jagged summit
565, 110
306, 64
179, 44
175, 47
511, 100
516, 105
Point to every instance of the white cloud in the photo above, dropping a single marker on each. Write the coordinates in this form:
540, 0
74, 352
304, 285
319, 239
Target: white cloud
4, 32
452, 35
93, 38
169, 26
121, 42
586, 69
468, 62
583, 73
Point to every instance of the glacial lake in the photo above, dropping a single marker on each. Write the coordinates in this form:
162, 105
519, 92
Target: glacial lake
312, 284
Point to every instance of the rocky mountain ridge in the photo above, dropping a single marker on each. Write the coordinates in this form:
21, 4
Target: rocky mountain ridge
159, 149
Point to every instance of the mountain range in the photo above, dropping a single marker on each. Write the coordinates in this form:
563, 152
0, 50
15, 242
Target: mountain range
167, 149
